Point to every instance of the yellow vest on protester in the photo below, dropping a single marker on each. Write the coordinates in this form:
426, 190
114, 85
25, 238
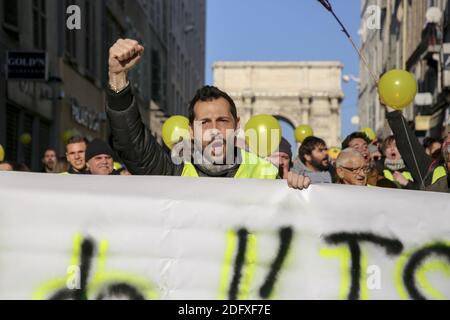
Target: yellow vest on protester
252, 167
117, 166
388, 175
438, 173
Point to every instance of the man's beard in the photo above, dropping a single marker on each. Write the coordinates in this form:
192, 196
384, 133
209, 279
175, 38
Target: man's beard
206, 162
50, 166
319, 166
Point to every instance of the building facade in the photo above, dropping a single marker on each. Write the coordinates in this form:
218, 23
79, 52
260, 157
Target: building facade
296, 92
414, 36
71, 98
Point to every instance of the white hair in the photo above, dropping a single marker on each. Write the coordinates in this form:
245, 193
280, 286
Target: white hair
346, 156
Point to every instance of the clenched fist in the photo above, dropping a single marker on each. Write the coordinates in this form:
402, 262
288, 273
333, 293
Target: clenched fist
123, 56
296, 181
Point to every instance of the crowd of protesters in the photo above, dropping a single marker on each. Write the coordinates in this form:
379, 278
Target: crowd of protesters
399, 161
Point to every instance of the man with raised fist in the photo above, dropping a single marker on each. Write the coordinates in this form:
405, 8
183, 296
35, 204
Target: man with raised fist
211, 109
123, 56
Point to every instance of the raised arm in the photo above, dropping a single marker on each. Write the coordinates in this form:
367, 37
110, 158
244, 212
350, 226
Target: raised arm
413, 153
132, 140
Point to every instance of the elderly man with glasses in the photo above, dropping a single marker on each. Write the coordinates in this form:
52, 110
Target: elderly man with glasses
352, 168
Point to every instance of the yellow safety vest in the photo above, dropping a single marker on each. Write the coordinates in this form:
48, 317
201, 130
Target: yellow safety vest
252, 167
438, 173
388, 175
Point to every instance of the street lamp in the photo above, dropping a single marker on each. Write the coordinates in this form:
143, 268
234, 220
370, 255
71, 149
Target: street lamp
355, 120
350, 77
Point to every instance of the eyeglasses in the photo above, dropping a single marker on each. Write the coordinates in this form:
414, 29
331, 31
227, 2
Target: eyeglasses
364, 170
359, 146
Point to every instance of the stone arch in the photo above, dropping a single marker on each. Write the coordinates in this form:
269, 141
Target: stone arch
285, 119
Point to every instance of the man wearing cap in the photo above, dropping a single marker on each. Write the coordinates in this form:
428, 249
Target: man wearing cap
99, 158
282, 159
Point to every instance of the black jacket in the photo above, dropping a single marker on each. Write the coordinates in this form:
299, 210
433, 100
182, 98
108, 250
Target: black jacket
417, 161
135, 144
72, 171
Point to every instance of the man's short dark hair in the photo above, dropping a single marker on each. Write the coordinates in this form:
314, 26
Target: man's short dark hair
49, 149
307, 147
77, 139
210, 93
353, 136
429, 141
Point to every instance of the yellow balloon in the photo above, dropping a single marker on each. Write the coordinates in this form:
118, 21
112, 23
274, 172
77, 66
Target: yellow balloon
302, 132
397, 89
174, 128
369, 133
333, 153
67, 135
25, 139
263, 135
2, 153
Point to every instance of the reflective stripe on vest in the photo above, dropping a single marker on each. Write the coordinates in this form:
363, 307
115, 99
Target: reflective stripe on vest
438, 173
252, 167
388, 175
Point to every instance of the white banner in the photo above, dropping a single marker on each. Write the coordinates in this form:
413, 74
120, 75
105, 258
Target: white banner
86, 237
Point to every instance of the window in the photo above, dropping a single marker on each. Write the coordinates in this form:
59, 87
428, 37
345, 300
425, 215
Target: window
90, 52
28, 148
70, 38
12, 132
121, 4
160, 17
44, 137
447, 23
10, 17
186, 79
40, 24
181, 15
172, 97
113, 30
18, 122
156, 77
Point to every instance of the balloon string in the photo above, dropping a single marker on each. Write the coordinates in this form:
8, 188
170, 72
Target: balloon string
363, 58
422, 182
328, 6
